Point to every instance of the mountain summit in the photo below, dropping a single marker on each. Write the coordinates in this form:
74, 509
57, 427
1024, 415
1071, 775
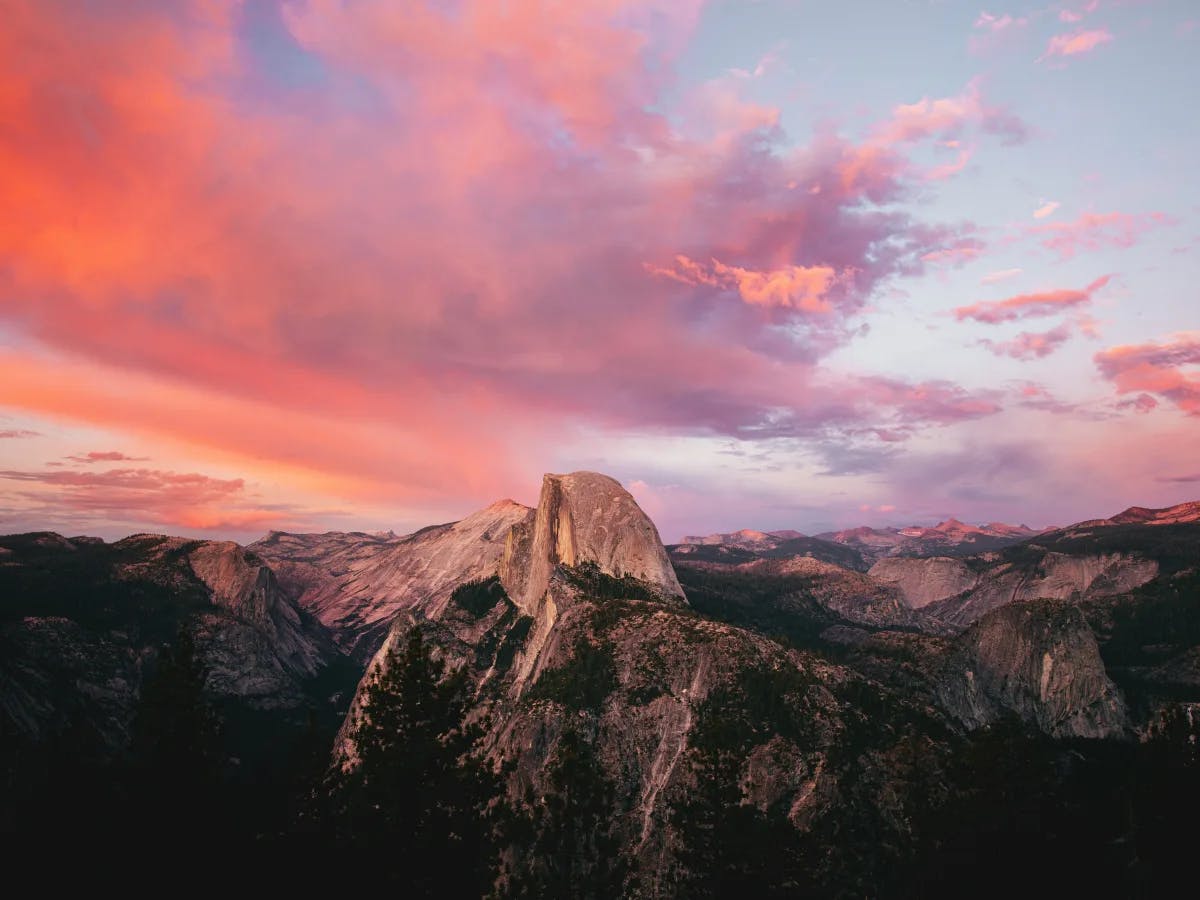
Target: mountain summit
583, 517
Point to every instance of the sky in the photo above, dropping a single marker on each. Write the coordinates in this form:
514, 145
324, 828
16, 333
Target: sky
358, 265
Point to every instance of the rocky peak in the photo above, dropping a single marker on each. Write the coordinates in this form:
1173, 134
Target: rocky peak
583, 517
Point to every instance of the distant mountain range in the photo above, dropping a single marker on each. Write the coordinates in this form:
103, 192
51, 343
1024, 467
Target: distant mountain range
949, 538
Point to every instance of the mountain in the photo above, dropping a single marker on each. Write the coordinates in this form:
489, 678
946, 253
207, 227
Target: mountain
777, 545
792, 685
765, 713
101, 646
948, 538
747, 538
1180, 514
355, 584
855, 548
85, 619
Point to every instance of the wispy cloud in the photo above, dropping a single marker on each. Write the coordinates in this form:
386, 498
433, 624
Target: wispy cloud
1097, 231
1075, 43
96, 456
1000, 275
18, 433
1031, 344
1021, 306
1179, 479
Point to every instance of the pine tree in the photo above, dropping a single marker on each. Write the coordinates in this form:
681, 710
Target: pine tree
418, 799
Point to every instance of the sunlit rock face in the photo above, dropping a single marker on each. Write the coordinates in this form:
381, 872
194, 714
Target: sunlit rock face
356, 584
925, 581
1036, 660
585, 630
584, 517
1042, 574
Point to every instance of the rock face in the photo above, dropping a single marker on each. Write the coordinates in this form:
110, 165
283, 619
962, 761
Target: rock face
1040, 575
747, 539
583, 518
1036, 660
925, 581
267, 625
848, 594
356, 584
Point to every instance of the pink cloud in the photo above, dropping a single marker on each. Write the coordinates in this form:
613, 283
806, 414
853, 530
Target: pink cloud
1031, 345
1163, 368
198, 266
1046, 303
946, 118
1142, 403
961, 251
1033, 395
18, 433
179, 500
1076, 43
1096, 231
947, 170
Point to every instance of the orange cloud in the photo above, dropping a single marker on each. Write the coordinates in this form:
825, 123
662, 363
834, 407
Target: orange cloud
795, 287
392, 281
1046, 209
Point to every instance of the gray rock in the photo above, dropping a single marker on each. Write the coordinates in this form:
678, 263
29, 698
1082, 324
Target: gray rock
1036, 660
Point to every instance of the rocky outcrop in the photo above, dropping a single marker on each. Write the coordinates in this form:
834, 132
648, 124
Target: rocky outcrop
356, 584
583, 517
747, 539
1038, 661
922, 581
273, 626
850, 595
1048, 575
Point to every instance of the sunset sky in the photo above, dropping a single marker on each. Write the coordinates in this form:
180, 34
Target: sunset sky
343, 264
